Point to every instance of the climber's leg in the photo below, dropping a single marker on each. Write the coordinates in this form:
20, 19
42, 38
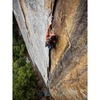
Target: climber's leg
50, 46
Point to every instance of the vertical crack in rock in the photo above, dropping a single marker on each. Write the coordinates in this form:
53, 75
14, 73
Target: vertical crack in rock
53, 11
48, 70
54, 7
70, 71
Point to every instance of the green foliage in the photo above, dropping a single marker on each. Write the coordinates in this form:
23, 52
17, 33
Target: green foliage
19, 49
24, 80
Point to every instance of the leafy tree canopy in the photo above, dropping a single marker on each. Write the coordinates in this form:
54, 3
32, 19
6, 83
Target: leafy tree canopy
24, 80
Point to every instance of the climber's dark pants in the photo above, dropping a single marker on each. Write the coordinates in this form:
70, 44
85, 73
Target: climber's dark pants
50, 46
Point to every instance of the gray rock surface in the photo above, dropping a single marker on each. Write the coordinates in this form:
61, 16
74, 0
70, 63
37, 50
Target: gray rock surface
32, 18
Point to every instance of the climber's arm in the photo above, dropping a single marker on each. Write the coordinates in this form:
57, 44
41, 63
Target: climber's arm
47, 33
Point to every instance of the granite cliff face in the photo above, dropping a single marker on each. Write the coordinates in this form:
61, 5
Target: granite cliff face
68, 74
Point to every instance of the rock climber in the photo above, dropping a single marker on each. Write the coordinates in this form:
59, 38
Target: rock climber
51, 38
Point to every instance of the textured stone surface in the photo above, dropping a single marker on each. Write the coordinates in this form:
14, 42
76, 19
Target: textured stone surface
32, 18
68, 80
68, 75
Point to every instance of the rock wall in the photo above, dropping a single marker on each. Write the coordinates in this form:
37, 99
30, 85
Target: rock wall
33, 17
68, 74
